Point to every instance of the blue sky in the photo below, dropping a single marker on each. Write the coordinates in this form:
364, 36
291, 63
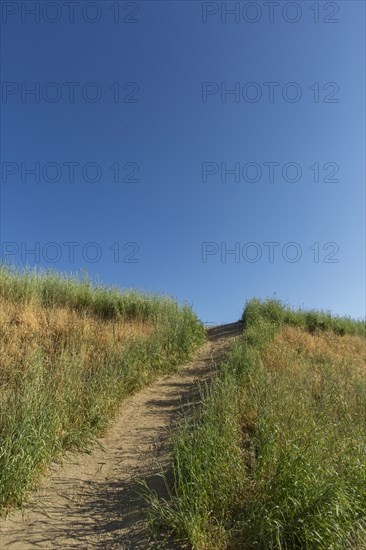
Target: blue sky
142, 92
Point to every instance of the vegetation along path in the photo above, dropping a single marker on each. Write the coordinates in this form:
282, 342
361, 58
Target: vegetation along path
92, 500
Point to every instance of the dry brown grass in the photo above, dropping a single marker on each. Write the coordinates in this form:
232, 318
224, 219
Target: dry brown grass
318, 359
321, 347
25, 328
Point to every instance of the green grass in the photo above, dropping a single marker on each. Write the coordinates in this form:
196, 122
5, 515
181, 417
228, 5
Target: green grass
79, 293
71, 351
311, 320
275, 457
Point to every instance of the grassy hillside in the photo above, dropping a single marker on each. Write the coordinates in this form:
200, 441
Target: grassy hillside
70, 353
275, 457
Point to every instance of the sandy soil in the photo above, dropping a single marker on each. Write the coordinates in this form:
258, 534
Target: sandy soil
92, 500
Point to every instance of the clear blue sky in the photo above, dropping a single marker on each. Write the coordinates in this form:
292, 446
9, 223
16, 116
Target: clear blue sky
173, 61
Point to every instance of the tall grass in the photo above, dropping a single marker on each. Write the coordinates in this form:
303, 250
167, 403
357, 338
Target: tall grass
70, 352
275, 458
310, 320
79, 293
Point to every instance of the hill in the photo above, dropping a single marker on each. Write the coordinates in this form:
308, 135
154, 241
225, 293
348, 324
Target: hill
70, 352
275, 456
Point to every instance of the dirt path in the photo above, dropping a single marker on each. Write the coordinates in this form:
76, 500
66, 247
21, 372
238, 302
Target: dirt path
91, 501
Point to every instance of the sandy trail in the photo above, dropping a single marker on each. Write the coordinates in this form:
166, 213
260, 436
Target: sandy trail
91, 501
